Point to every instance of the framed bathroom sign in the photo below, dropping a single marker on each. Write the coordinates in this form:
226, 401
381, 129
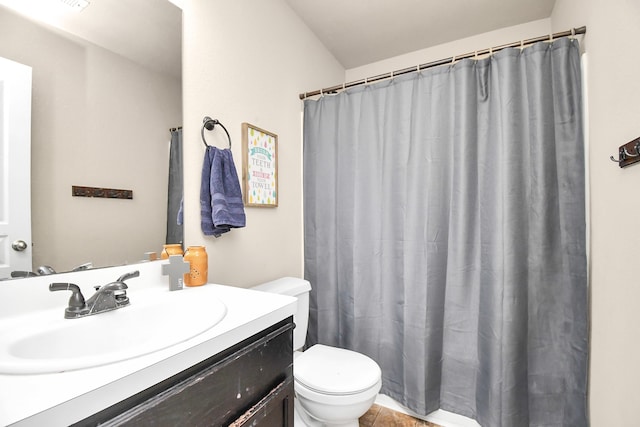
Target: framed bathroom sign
259, 167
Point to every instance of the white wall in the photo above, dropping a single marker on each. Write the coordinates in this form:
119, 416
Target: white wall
220, 81
98, 120
613, 83
446, 50
247, 61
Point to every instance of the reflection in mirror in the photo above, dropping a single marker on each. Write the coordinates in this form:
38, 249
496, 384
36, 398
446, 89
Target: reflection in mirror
175, 229
102, 110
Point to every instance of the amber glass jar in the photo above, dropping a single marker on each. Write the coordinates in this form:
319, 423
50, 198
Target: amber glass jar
171, 249
199, 262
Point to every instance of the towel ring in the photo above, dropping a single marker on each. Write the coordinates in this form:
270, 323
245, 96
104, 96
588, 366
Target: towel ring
209, 123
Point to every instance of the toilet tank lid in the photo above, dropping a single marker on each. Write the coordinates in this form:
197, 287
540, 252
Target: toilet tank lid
291, 286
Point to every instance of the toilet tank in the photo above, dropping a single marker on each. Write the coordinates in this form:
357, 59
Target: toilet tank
298, 288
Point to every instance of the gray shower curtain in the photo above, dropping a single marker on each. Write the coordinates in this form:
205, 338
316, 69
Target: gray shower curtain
444, 228
175, 228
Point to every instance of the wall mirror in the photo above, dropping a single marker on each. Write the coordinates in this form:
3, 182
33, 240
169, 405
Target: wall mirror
106, 90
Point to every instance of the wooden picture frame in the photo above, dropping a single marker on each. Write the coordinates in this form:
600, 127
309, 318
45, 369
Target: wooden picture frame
259, 167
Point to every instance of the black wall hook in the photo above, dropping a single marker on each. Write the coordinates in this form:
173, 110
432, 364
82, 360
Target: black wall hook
208, 123
628, 153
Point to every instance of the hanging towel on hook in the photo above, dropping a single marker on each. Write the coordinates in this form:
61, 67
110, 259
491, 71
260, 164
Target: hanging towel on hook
221, 204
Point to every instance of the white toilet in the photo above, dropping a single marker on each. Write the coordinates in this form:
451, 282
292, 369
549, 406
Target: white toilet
333, 386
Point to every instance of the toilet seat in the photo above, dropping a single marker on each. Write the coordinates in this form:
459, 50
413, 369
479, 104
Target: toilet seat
335, 371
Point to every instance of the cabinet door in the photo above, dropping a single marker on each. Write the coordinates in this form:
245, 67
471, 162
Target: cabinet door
219, 390
276, 409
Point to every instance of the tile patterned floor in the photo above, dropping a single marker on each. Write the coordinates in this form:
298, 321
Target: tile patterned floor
379, 416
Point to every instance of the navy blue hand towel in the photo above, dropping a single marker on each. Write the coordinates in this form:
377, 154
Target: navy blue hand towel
221, 204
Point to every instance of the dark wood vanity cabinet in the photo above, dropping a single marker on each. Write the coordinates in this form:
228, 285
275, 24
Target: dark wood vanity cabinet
250, 384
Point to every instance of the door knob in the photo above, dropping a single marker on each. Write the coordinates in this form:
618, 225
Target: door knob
19, 245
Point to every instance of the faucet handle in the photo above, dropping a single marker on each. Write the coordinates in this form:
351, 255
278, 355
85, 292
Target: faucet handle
119, 284
113, 286
76, 301
128, 276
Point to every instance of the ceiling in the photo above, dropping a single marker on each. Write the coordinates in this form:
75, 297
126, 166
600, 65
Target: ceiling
356, 32
146, 31
360, 32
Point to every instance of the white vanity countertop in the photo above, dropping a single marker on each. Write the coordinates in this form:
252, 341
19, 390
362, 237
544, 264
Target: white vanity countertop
67, 397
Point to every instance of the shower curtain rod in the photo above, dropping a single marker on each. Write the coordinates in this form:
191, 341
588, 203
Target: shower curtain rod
549, 37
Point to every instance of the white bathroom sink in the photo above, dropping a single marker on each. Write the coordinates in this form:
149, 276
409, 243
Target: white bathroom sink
46, 342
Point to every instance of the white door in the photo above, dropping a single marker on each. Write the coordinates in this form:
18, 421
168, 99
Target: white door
15, 167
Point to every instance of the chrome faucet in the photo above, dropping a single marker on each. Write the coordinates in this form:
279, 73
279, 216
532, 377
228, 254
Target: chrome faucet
82, 267
107, 297
45, 270
18, 274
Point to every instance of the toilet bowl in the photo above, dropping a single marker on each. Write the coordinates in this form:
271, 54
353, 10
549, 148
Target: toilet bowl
333, 386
